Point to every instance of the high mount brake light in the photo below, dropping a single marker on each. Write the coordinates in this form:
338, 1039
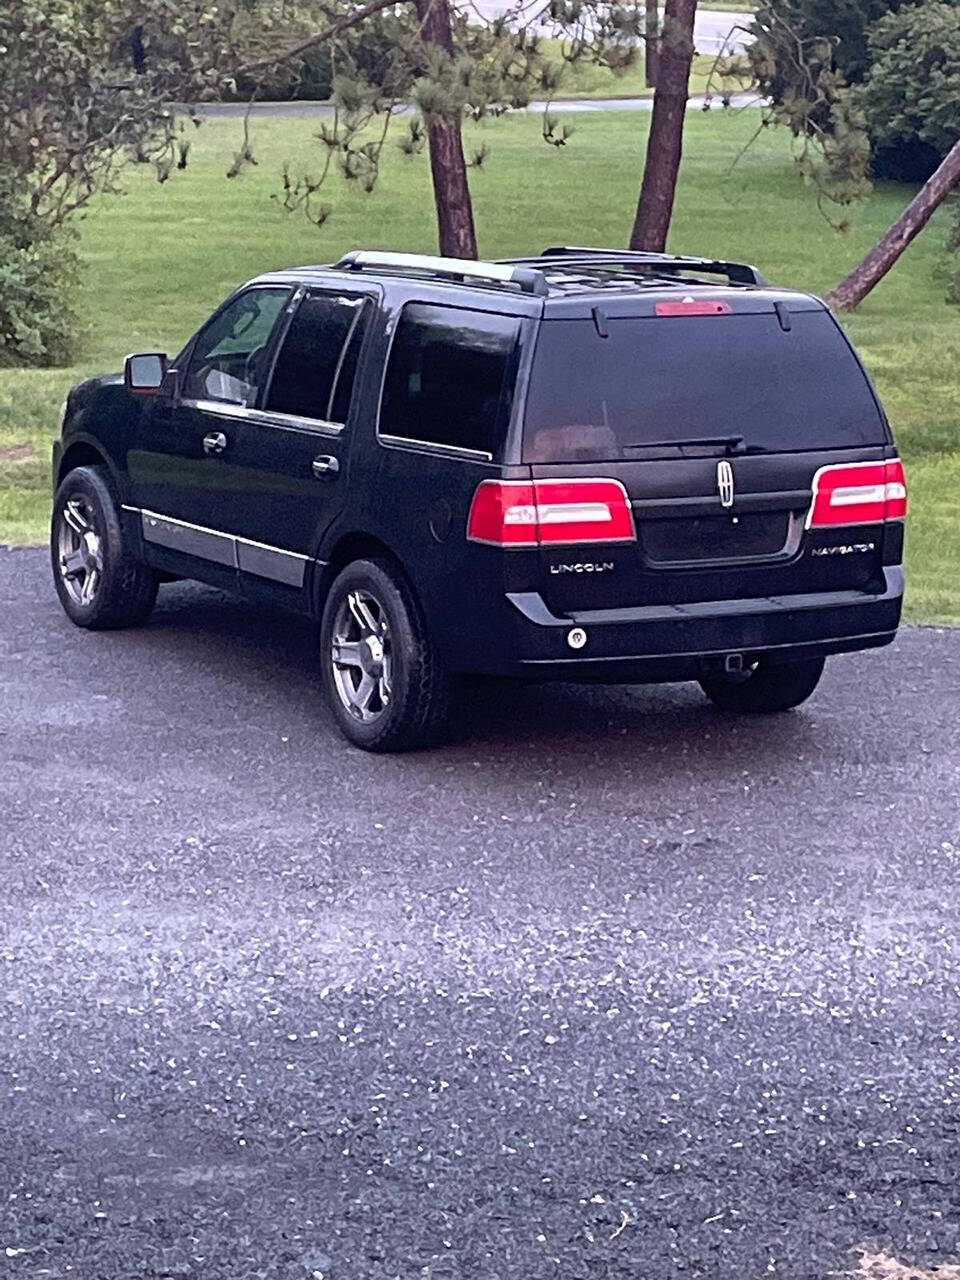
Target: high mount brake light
520, 513
858, 493
693, 307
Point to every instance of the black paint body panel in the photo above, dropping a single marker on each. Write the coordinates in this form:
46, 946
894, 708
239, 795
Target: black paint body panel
287, 529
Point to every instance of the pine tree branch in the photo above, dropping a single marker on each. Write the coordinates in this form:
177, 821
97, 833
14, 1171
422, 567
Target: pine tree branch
327, 33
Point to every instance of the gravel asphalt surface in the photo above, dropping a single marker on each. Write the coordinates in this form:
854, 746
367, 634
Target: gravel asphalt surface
611, 986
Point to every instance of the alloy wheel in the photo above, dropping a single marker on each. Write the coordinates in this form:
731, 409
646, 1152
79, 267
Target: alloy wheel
79, 552
361, 654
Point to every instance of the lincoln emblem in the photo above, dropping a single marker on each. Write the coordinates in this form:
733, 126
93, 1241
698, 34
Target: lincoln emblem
725, 483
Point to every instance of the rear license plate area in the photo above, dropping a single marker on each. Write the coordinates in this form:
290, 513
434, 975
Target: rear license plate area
705, 539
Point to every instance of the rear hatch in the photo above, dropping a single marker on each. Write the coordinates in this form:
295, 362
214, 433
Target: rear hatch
715, 412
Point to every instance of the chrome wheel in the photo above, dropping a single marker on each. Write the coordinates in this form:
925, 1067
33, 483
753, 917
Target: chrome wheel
79, 552
360, 651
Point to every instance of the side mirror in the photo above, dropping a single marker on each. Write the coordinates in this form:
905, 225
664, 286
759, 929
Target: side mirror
144, 374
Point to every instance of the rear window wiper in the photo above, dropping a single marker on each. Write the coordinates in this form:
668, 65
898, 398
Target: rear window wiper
731, 444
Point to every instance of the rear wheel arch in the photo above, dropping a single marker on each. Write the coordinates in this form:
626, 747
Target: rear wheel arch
350, 547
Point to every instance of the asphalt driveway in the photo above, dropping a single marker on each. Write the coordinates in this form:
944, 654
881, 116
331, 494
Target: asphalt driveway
611, 986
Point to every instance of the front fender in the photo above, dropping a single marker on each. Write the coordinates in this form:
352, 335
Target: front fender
100, 422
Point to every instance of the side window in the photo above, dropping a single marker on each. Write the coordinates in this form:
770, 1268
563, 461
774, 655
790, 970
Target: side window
450, 376
228, 360
314, 372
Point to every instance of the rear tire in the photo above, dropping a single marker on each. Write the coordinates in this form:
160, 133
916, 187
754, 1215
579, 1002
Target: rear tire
770, 687
101, 583
385, 682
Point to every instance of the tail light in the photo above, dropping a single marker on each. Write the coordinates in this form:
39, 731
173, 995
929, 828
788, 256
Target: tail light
858, 493
520, 513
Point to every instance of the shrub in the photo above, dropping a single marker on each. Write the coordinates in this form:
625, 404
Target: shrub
373, 51
911, 95
899, 59
793, 32
83, 92
37, 271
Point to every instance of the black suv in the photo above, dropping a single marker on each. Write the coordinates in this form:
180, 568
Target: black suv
588, 465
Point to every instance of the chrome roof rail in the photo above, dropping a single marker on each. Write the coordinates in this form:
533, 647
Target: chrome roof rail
457, 270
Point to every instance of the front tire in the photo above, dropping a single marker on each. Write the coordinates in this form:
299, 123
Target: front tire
102, 585
768, 687
384, 680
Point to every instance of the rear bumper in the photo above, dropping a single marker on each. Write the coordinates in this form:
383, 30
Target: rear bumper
663, 642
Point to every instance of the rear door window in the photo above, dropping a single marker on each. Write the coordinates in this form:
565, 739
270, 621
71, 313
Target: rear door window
658, 380
449, 379
314, 371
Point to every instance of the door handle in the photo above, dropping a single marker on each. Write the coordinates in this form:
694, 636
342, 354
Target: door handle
215, 442
325, 465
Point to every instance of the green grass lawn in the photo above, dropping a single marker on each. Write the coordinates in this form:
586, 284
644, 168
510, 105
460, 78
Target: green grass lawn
585, 80
159, 258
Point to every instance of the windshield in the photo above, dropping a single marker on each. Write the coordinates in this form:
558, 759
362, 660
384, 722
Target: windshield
733, 381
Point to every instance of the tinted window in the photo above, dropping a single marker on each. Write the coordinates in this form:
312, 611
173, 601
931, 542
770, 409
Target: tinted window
672, 378
450, 377
228, 359
313, 375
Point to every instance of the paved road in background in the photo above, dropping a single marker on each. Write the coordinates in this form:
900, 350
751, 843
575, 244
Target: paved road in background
714, 31
237, 110
717, 32
610, 986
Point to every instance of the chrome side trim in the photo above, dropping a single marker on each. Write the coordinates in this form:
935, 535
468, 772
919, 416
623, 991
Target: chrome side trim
190, 539
223, 408
293, 422
431, 446
259, 558
266, 417
288, 567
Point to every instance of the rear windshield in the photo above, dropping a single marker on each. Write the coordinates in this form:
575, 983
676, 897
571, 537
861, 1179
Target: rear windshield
667, 379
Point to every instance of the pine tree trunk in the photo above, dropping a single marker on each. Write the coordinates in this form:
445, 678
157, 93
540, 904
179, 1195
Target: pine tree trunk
451, 191
665, 144
651, 42
448, 167
852, 291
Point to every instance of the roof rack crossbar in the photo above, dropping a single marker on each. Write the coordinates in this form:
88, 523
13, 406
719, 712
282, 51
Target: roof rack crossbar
526, 279
736, 272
